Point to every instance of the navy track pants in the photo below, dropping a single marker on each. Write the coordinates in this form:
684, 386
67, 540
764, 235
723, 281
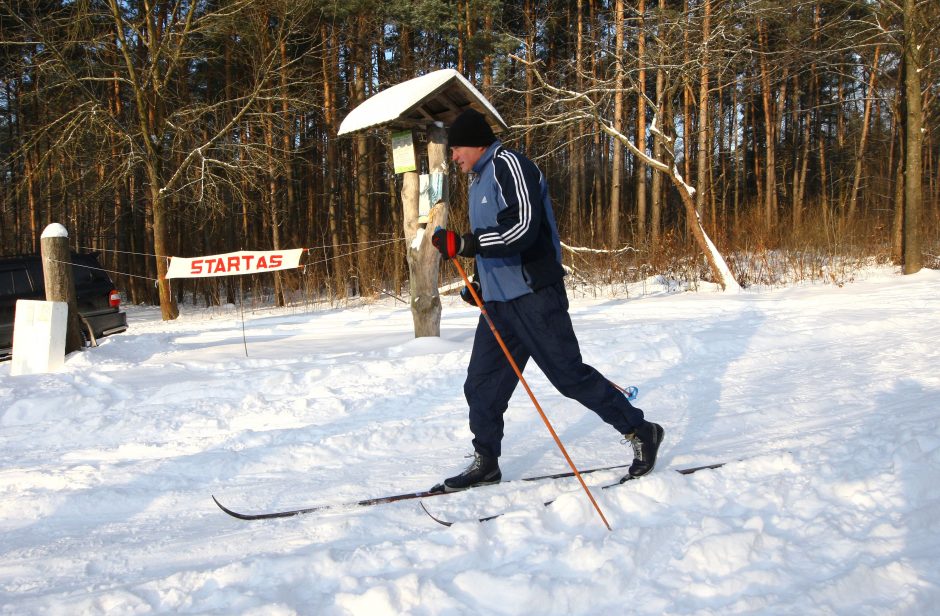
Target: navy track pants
536, 326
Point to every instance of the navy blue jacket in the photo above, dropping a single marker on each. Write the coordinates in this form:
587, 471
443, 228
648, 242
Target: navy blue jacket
511, 217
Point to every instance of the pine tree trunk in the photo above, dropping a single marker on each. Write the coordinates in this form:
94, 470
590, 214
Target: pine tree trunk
914, 139
488, 59
330, 67
702, 137
770, 178
287, 141
686, 97
656, 205
168, 307
529, 79
362, 159
860, 152
738, 162
578, 172
640, 167
897, 226
800, 193
820, 133
616, 173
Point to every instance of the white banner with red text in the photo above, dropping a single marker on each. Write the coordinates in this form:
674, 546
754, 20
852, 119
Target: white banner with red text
234, 263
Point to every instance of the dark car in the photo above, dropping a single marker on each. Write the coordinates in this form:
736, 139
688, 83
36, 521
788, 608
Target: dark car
99, 304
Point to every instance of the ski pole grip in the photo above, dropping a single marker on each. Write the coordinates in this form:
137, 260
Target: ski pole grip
466, 281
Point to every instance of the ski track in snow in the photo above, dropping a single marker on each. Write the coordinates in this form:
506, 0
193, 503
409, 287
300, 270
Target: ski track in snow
825, 401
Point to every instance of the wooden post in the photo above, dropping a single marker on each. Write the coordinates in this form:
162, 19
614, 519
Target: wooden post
424, 103
410, 187
424, 261
60, 284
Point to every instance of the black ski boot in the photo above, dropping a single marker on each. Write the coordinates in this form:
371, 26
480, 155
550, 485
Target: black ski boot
483, 471
645, 441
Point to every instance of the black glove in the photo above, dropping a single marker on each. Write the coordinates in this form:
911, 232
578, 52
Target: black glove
449, 244
466, 296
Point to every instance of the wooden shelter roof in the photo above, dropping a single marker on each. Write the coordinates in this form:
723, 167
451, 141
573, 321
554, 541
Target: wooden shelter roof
439, 96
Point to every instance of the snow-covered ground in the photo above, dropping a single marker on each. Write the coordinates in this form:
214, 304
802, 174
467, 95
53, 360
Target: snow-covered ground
825, 401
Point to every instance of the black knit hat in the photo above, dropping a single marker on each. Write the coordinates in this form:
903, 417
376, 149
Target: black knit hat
470, 129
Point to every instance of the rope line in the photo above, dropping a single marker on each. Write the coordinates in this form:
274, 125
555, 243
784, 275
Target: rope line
370, 245
377, 244
381, 242
102, 269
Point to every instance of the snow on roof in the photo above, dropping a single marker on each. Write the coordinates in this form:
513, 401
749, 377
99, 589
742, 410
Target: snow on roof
440, 95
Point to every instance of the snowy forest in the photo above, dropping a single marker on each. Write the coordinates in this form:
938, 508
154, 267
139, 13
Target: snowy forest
809, 130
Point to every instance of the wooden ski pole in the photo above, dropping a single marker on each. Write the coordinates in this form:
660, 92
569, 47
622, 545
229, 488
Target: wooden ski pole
522, 380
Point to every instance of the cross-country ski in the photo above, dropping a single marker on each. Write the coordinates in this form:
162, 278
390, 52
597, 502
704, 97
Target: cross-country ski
626, 478
437, 490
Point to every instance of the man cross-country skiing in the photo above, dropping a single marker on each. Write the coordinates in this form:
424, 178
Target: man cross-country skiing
518, 270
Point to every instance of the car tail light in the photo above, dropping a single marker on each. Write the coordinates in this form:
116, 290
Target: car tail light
115, 298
